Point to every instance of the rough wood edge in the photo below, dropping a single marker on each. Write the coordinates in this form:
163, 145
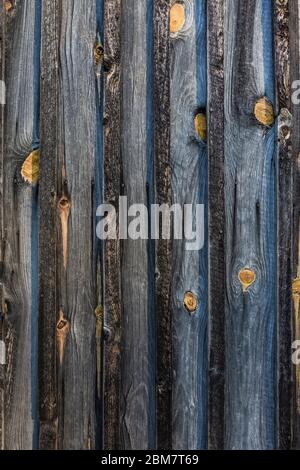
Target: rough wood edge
47, 352
216, 225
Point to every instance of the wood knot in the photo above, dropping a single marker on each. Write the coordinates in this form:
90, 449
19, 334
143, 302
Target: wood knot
98, 53
200, 125
8, 6
190, 302
177, 17
64, 203
263, 111
31, 167
247, 278
62, 329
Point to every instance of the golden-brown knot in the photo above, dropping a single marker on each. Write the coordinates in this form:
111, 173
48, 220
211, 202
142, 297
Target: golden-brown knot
31, 167
190, 302
200, 125
247, 278
264, 113
177, 17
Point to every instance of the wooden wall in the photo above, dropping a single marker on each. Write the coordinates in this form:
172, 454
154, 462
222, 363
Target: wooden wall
143, 344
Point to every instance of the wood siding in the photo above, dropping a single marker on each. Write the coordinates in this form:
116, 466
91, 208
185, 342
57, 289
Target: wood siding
145, 344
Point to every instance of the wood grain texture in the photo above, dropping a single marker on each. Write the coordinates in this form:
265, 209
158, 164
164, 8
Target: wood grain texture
18, 288
217, 268
48, 226
142, 344
250, 210
76, 325
189, 268
294, 44
138, 323
112, 185
2, 300
285, 220
163, 268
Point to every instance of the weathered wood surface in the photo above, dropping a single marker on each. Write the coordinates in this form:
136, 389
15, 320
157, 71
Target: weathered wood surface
163, 254
19, 288
48, 228
77, 301
189, 268
102, 349
294, 30
283, 12
250, 213
216, 224
112, 252
138, 322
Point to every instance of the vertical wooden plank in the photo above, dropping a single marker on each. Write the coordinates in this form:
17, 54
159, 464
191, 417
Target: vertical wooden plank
48, 227
76, 324
18, 289
217, 271
112, 184
250, 211
163, 269
138, 388
294, 30
2, 301
285, 220
189, 186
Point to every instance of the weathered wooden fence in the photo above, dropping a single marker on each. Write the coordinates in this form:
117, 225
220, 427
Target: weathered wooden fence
142, 344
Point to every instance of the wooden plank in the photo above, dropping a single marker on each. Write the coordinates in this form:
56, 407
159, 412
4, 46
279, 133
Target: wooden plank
112, 184
189, 186
2, 300
48, 226
76, 326
216, 224
294, 30
18, 288
138, 323
285, 220
163, 268
250, 211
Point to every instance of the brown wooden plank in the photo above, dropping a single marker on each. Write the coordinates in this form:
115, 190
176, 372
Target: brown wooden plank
216, 224
112, 185
163, 272
285, 220
48, 226
2, 299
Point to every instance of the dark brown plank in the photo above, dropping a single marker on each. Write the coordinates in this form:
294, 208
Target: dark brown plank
48, 227
285, 220
216, 224
2, 299
163, 271
112, 186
